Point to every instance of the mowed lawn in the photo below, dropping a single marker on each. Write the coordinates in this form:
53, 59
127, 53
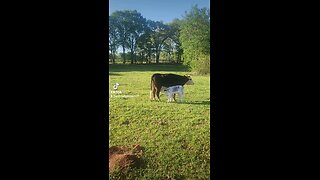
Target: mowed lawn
175, 136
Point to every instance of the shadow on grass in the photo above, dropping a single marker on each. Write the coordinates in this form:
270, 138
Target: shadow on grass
147, 67
185, 102
179, 177
196, 102
114, 74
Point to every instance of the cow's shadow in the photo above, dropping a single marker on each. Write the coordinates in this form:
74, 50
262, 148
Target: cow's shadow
195, 102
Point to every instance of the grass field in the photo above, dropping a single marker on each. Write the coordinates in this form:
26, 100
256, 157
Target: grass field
175, 136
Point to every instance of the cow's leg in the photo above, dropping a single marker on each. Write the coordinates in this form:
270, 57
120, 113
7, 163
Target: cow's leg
158, 89
158, 94
152, 93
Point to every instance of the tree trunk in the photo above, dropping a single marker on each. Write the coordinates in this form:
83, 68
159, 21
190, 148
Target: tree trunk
134, 57
157, 56
142, 57
132, 51
113, 57
124, 54
131, 56
149, 60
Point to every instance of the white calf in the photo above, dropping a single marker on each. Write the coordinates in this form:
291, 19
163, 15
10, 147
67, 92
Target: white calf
170, 91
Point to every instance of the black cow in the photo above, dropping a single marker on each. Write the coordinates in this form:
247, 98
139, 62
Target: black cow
167, 80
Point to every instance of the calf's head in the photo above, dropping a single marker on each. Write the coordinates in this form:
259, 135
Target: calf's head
163, 89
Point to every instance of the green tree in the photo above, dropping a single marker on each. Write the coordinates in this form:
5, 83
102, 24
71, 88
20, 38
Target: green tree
135, 30
129, 27
145, 46
122, 27
113, 38
195, 39
159, 33
175, 34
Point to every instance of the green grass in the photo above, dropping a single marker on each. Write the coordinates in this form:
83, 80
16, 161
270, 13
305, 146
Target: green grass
175, 136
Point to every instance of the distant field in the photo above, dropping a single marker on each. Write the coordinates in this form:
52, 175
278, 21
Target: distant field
175, 136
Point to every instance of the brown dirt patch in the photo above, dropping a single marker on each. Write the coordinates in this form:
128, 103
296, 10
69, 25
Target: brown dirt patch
121, 157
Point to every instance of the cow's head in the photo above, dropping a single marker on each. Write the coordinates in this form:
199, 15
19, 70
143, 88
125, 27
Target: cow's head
189, 82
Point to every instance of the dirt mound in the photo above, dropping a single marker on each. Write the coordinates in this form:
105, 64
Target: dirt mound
121, 157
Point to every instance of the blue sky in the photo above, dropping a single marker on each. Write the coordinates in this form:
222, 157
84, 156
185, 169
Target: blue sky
157, 10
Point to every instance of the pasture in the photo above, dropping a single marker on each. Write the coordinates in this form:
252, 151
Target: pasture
175, 136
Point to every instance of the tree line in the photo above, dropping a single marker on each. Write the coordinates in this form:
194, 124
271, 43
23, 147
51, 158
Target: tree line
142, 40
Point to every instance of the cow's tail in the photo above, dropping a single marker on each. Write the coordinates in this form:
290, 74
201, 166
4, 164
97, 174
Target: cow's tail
151, 87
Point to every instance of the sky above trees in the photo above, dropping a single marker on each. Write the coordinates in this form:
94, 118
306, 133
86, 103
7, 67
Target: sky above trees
162, 10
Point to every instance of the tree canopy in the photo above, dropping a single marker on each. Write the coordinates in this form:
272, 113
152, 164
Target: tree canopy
186, 40
195, 39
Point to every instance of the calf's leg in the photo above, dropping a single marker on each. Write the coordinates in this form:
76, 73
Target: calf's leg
169, 97
174, 97
181, 96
